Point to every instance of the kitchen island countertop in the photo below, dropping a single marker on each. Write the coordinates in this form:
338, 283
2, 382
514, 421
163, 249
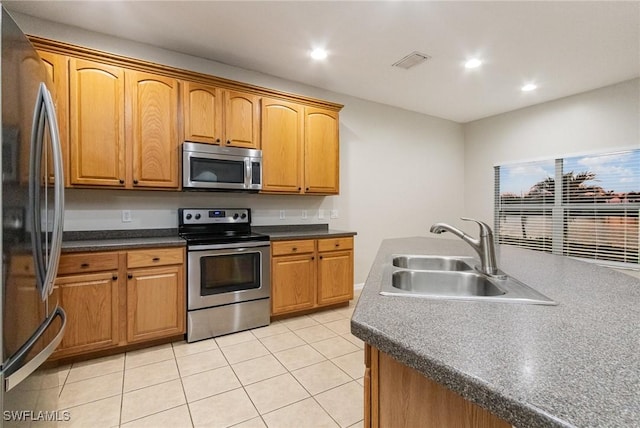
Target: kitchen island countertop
574, 364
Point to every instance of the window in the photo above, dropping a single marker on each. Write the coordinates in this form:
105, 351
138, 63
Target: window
582, 206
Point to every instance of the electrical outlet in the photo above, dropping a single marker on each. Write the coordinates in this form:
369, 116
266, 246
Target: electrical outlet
334, 213
282, 215
320, 214
126, 216
304, 214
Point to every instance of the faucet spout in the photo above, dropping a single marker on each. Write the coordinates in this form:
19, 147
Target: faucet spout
484, 246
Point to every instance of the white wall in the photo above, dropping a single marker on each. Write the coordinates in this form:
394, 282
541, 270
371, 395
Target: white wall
602, 120
400, 171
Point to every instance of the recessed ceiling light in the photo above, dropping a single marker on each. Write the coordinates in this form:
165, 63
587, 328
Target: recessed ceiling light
318, 53
473, 63
529, 87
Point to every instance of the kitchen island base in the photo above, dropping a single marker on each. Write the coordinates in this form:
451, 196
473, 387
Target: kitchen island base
398, 396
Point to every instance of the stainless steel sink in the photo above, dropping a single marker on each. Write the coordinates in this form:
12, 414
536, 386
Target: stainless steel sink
453, 278
434, 263
462, 284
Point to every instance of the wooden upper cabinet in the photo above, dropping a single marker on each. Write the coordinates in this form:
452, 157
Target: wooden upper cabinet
202, 113
282, 131
322, 151
58, 71
152, 107
219, 116
241, 120
96, 137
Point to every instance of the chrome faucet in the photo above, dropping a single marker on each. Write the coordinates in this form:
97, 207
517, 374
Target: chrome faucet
484, 246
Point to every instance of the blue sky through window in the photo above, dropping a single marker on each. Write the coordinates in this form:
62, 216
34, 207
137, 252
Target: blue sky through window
614, 172
519, 178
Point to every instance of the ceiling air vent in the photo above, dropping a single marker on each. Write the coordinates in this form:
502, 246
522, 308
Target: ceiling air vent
411, 60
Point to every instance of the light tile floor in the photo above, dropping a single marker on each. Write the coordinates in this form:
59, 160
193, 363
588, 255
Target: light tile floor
300, 372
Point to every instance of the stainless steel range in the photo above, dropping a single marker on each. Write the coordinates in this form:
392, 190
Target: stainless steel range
228, 272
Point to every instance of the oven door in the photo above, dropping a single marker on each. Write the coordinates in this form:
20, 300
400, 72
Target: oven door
228, 273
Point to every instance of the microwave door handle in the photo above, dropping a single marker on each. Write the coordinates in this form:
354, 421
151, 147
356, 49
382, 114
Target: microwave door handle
58, 202
247, 173
35, 170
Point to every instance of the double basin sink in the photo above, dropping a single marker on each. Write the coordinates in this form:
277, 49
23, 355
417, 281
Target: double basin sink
444, 277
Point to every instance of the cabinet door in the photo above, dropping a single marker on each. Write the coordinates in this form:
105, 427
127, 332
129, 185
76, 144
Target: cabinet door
335, 277
153, 129
57, 68
96, 134
293, 282
155, 303
241, 119
322, 151
202, 113
282, 124
91, 304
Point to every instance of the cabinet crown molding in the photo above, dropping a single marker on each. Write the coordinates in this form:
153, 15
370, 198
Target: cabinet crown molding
77, 51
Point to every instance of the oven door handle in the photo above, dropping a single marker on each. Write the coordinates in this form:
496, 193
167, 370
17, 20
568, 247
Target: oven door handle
237, 245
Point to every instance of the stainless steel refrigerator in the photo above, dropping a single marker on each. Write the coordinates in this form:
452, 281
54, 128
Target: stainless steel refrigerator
32, 220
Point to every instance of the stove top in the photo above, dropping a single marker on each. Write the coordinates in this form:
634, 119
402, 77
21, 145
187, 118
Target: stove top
216, 226
223, 238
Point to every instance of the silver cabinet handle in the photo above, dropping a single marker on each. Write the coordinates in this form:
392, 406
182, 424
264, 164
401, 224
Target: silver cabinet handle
21, 373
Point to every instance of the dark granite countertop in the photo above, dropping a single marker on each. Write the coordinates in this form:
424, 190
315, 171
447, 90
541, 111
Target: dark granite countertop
106, 240
303, 231
574, 364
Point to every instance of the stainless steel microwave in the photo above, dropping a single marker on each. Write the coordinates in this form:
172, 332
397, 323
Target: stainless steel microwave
210, 167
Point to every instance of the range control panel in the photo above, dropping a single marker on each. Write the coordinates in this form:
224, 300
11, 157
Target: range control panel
201, 216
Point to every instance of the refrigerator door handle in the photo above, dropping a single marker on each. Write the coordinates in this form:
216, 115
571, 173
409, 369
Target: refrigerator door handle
23, 372
58, 207
35, 167
46, 275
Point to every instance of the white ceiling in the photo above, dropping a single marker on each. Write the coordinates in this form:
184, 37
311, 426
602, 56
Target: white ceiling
564, 47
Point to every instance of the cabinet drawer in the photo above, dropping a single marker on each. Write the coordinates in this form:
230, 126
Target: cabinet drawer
87, 262
335, 244
155, 257
302, 246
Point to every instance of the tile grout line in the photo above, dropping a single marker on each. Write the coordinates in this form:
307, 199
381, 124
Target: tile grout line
241, 385
184, 392
124, 370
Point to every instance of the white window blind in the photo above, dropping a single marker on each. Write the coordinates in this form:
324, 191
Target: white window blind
582, 206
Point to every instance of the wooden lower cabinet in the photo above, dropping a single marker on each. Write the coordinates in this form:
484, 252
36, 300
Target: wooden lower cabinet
117, 298
293, 282
335, 277
310, 273
398, 396
155, 303
91, 304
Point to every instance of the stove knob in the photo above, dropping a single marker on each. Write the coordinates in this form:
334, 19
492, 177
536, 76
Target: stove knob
235, 216
188, 216
243, 216
197, 216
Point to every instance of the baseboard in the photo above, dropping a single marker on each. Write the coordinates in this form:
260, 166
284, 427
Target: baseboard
359, 286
